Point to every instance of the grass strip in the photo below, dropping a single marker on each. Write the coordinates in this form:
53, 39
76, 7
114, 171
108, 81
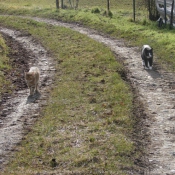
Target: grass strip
86, 127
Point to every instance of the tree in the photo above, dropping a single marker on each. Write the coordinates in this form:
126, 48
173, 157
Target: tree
57, 4
62, 5
165, 11
108, 8
134, 13
70, 3
171, 19
153, 13
76, 5
73, 5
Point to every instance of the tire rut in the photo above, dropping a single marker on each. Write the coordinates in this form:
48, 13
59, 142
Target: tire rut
19, 111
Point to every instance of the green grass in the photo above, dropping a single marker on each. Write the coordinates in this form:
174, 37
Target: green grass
88, 123
3, 54
121, 25
4, 66
82, 4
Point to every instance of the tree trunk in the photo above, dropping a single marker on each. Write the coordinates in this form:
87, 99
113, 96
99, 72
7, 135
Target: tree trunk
152, 9
70, 3
108, 8
165, 10
76, 6
171, 20
62, 6
57, 4
134, 13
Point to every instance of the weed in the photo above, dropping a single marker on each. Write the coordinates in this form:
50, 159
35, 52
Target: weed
4, 65
95, 10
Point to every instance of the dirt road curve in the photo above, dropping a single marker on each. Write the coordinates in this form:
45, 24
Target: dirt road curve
156, 89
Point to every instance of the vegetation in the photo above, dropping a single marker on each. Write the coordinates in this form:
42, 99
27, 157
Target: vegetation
4, 66
121, 24
87, 126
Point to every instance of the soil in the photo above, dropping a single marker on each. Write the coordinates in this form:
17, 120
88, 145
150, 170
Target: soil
155, 96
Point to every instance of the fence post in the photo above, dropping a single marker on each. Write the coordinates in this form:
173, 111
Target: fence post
134, 9
107, 7
165, 10
171, 19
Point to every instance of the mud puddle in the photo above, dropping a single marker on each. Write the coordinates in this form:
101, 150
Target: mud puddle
156, 90
19, 111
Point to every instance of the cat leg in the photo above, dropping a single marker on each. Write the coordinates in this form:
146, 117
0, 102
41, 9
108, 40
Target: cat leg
32, 91
37, 88
150, 63
143, 63
146, 64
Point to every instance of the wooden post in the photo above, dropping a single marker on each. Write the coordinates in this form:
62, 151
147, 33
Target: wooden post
62, 6
134, 9
108, 8
149, 8
171, 19
165, 11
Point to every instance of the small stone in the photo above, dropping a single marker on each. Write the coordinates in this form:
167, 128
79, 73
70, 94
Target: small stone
154, 113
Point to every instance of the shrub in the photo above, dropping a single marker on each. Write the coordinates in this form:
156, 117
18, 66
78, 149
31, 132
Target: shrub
95, 10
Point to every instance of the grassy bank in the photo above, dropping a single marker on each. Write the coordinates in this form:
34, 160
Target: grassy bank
4, 66
87, 126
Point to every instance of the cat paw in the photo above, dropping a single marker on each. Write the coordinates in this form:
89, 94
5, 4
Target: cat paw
143, 63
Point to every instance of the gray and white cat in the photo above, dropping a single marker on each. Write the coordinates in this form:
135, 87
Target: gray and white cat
147, 56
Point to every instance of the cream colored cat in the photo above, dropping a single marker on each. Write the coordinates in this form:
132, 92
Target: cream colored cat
32, 79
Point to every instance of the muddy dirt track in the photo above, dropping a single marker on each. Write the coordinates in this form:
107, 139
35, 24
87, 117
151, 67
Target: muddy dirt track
156, 89
20, 110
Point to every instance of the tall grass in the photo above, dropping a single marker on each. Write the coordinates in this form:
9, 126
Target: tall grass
4, 66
